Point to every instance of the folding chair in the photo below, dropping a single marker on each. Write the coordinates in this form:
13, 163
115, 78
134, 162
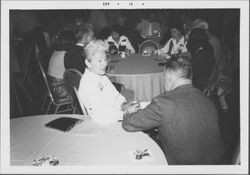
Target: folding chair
72, 78
22, 79
61, 105
78, 103
148, 47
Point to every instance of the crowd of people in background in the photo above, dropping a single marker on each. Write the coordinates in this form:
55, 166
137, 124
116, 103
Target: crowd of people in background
195, 34
80, 39
43, 26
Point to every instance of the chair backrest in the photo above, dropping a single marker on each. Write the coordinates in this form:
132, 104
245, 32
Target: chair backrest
148, 47
44, 78
72, 79
78, 103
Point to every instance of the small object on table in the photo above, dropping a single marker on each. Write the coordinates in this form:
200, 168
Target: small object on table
123, 54
46, 161
140, 154
162, 64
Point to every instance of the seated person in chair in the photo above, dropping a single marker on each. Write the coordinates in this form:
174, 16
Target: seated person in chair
149, 28
103, 102
187, 120
176, 44
74, 58
56, 66
118, 42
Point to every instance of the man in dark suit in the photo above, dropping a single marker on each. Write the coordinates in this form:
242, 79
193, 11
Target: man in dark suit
75, 58
186, 119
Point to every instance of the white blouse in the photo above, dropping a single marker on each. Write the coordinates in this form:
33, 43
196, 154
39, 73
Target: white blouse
177, 47
56, 64
100, 97
122, 42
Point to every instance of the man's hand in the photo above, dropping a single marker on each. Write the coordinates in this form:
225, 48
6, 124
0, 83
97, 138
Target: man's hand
130, 107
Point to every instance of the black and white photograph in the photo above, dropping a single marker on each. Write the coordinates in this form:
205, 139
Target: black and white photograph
121, 87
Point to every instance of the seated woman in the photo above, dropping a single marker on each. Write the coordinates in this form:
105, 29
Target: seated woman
176, 44
56, 64
118, 42
103, 102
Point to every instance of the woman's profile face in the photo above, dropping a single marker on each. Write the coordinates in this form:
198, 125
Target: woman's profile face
98, 63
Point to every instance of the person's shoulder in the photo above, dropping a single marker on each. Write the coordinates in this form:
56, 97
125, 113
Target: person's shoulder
170, 40
74, 50
165, 99
109, 38
87, 80
123, 37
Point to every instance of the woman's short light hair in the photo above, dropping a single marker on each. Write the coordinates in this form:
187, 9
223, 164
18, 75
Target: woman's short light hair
94, 47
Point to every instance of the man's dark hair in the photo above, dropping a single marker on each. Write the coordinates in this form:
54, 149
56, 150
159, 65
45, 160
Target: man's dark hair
82, 31
117, 28
180, 64
177, 25
65, 40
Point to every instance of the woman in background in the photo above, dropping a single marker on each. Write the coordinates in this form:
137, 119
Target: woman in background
176, 44
56, 64
118, 42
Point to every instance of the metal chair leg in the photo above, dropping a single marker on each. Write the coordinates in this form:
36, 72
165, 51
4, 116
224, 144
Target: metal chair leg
26, 92
56, 110
18, 101
32, 86
48, 108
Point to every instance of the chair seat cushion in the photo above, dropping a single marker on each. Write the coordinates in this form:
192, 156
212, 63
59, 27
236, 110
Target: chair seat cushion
58, 88
66, 99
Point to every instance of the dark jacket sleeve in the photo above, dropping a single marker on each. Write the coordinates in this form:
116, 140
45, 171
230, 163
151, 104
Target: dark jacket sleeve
74, 59
144, 119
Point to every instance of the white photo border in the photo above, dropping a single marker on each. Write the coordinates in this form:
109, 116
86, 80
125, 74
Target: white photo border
243, 5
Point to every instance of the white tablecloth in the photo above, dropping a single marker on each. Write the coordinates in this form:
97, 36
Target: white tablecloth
86, 144
141, 74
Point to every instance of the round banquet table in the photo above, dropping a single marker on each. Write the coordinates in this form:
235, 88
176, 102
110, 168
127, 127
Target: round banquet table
141, 74
86, 144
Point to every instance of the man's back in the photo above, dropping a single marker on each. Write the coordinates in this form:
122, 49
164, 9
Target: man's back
189, 132
188, 126
74, 59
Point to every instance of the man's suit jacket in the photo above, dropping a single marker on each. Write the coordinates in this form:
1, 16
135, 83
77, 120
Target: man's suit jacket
188, 126
74, 59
